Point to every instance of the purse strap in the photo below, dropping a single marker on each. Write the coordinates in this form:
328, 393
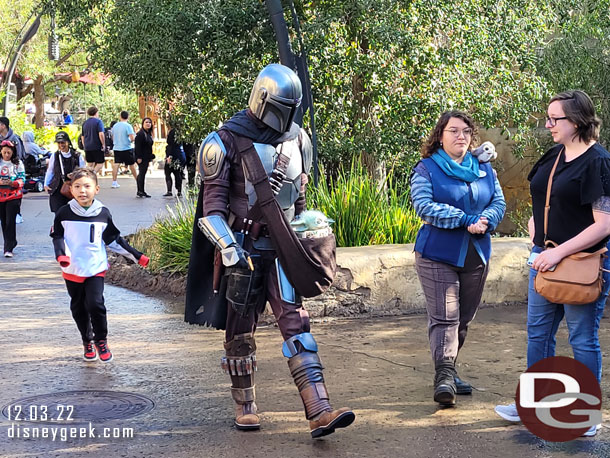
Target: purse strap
547, 204
61, 165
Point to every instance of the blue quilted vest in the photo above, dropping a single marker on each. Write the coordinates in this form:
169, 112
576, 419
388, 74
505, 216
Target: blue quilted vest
451, 245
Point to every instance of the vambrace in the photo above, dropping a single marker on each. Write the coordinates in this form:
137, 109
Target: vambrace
217, 231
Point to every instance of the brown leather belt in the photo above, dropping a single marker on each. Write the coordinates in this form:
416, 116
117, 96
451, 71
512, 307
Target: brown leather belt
251, 228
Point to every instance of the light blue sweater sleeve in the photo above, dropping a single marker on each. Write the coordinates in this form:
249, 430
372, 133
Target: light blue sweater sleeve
49, 175
494, 212
441, 215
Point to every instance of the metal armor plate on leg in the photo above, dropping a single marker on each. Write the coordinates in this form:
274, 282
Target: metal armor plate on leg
287, 292
240, 363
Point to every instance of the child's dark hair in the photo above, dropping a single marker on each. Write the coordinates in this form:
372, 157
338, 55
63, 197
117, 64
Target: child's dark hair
83, 172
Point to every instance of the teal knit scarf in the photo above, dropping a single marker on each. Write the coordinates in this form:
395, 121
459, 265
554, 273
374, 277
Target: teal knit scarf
467, 171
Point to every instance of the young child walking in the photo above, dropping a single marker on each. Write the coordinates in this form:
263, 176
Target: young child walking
12, 178
82, 230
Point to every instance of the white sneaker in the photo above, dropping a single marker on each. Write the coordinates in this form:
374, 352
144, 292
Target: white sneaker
508, 412
8, 254
19, 219
115, 184
592, 431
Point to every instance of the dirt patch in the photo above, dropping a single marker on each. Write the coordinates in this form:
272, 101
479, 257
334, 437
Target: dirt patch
132, 276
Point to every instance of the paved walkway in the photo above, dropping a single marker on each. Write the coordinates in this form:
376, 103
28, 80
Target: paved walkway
381, 368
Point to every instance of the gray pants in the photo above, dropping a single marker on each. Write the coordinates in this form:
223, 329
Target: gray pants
452, 295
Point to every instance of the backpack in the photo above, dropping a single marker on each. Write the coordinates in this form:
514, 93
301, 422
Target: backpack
108, 140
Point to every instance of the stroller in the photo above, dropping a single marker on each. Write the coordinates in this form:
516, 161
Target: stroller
35, 169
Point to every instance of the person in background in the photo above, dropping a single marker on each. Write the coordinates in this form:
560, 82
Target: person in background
67, 117
144, 153
12, 179
460, 202
6, 133
93, 140
191, 162
122, 138
30, 147
175, 160
61, 163
578, 220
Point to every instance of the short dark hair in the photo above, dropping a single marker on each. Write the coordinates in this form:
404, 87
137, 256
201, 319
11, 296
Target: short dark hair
83, 172
91, 111
578, 108
4, 120
433, 143
124, 115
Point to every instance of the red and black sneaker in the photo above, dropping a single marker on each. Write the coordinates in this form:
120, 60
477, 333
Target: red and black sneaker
104, 351
90, 353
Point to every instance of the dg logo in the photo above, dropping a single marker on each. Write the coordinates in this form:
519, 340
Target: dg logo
558, 399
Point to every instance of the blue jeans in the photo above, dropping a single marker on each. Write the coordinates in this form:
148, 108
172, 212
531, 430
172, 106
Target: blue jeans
543, 318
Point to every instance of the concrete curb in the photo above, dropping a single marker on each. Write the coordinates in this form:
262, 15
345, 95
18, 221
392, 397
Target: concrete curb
372, 280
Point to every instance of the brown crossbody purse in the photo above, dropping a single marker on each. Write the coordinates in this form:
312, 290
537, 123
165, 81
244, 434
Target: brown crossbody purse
577, 279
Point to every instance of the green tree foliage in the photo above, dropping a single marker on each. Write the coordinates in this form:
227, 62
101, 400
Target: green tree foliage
578, 55
382, 70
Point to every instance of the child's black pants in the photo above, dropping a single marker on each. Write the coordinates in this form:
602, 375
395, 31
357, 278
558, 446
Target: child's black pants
87, 307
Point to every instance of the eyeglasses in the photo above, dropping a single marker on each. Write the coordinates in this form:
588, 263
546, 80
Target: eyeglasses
456, 132
7, 143
553, 121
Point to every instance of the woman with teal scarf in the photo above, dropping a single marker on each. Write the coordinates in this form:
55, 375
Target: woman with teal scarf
460, 202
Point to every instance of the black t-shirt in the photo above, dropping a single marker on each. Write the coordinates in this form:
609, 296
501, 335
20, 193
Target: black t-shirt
576, 185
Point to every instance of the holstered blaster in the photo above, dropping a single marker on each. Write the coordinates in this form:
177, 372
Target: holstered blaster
218, 271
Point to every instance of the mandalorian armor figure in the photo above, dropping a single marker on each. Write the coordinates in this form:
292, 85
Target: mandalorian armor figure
228, 219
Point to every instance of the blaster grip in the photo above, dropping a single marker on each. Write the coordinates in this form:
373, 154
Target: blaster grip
218, 271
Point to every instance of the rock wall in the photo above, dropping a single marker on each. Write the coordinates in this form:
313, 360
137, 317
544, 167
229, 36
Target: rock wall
512, 173
372, 280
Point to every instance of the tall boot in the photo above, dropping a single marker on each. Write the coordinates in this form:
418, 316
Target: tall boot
240, 364
306, 370
444, 383
461, 386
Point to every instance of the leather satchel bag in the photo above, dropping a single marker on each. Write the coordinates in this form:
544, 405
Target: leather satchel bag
309, 264
577, 279
65, 189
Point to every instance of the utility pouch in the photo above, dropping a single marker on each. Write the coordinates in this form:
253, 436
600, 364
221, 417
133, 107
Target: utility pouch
245, 287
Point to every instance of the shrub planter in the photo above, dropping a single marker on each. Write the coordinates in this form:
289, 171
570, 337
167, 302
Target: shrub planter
372, 280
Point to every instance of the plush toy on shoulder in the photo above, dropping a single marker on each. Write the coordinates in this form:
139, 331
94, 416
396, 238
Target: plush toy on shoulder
486, 152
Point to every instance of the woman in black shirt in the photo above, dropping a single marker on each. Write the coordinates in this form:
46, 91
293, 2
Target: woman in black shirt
579, 220
144, 153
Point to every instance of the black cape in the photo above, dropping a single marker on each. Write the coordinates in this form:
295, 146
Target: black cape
203, 307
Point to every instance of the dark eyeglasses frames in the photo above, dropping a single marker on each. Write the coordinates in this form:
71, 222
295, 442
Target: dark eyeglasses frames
553, 121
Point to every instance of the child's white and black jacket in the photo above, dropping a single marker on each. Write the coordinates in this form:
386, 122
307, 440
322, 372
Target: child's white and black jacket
80, 237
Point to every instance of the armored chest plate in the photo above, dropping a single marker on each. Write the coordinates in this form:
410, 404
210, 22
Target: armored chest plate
292, 182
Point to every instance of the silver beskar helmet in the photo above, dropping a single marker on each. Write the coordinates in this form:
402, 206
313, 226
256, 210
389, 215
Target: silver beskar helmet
275, 97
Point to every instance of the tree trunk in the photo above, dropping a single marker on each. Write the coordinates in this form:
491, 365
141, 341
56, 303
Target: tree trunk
39, 101
375, 167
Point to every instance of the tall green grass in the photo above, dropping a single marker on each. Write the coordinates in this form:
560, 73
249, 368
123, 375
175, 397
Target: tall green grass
364, 214
168, 241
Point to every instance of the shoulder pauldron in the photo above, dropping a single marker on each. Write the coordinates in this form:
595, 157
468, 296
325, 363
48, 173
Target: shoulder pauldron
211, 156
